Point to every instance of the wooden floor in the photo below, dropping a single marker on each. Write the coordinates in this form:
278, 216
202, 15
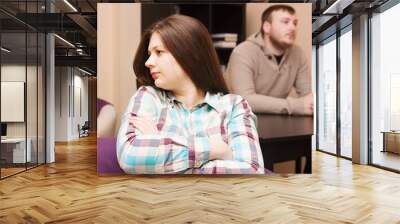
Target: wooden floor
70, 191
386, 159
10, 171
5, 172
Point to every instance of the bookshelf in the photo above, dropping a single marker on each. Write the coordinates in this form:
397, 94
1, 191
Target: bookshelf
228, 18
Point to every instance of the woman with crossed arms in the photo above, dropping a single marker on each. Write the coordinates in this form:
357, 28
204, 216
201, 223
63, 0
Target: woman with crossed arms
182, 119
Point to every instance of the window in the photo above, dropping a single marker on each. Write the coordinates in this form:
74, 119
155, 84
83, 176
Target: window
327, 96
385, 88
346, 93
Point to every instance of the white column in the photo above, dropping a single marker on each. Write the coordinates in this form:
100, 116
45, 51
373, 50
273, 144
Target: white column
360, 90
50, 99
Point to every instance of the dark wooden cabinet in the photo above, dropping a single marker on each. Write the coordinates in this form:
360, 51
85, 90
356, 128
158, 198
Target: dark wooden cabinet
152, 12
218, 18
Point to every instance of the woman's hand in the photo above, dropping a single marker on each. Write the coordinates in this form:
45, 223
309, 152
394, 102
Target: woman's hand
219, 149
144, 124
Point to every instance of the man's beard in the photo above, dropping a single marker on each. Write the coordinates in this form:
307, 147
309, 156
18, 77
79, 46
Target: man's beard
278, 44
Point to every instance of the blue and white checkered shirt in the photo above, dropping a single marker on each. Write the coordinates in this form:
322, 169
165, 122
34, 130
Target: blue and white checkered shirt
182, 144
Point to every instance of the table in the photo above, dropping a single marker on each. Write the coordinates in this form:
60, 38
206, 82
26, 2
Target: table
285, 138
13, 150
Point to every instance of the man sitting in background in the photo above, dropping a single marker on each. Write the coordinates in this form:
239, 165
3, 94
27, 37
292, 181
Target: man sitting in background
267, 66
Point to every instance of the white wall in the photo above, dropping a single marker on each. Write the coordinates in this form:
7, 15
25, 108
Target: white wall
80, 83
14, 73
67, 115
17, 73
61, 103
34, 124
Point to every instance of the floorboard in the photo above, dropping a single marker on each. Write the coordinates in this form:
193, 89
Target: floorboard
70, 191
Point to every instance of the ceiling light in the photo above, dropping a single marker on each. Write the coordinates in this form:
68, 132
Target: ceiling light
64, 40
84, 71
70, 5
337, 7
5, 50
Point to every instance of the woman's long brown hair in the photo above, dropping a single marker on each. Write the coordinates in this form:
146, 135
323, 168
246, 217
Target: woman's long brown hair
190, 43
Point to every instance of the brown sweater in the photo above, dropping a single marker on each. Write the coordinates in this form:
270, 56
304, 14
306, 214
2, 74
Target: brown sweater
254, 74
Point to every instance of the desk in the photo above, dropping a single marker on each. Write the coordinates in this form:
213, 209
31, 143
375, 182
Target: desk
15, 148
391, 141
285, 138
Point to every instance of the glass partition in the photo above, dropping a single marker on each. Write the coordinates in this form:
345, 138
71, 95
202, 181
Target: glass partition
346, 93
22, 88
385, 89
41, 91
13, 108
327, 96
31, 100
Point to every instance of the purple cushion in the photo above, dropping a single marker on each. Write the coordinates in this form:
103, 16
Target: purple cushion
107, 162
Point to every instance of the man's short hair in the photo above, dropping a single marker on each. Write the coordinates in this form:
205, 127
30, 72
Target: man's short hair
266, 15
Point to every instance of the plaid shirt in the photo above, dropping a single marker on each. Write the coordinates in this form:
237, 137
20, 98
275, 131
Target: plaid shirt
182, 144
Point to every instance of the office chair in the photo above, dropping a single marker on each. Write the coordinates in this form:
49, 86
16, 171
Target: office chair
84, 130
